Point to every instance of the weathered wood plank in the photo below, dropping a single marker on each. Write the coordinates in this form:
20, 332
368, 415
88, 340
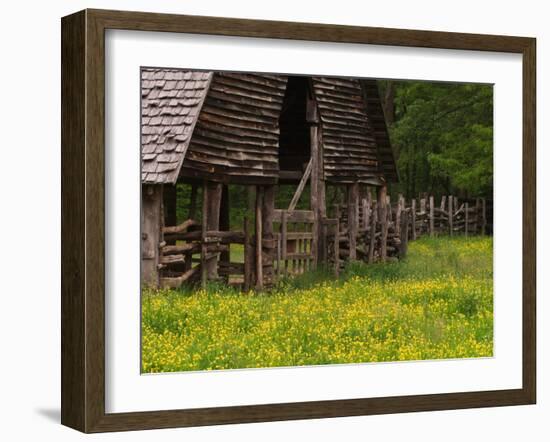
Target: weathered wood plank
177, 282
181, 227
301, 186
353, 198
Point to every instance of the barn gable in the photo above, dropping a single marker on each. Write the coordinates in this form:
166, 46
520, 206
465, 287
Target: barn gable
351, 149
171, 102
250, 128
380, 129
236, 138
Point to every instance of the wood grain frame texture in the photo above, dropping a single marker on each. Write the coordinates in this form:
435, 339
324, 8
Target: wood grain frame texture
83, 216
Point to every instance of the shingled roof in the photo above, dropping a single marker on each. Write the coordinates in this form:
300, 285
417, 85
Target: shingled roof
225, 127
171, 102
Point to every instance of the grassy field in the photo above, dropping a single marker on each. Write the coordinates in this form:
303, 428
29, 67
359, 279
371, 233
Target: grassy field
438, 303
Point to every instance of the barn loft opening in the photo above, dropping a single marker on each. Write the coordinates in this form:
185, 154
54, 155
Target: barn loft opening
294, 138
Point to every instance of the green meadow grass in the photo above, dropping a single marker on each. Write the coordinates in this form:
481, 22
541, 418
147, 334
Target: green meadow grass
437, 303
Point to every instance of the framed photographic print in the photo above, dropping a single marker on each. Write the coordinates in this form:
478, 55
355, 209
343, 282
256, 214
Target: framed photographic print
268, 221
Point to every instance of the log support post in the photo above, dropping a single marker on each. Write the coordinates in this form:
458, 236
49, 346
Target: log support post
268, 238
212, 203
284, 242
248, 255
372, 236
317, 194
225, 222
204, 229
353, 201
152, 222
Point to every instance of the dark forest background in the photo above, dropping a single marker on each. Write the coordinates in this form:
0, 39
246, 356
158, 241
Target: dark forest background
442, 137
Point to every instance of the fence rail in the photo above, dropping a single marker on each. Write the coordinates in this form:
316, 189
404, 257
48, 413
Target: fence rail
366, 231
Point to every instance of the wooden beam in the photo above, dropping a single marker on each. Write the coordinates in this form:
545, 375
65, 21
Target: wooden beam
353, 200
225, 219
152, 218
213, 205
187, 247
177, 282
314, 186
372, 237
268, 212
248, 255
301, 186
204, 229
181, 227
284, 240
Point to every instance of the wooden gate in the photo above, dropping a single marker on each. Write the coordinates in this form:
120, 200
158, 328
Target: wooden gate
297, 242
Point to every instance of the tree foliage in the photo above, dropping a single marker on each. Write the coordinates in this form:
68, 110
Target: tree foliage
442, 135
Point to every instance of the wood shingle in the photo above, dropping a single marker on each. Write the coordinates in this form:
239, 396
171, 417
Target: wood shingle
167, 120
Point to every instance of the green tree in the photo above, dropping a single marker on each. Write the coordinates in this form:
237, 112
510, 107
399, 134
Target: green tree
443, 136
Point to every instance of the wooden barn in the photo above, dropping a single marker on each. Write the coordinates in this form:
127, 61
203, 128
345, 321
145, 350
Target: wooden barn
209, 130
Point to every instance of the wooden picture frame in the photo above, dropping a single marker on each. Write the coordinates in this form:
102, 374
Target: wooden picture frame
83, 216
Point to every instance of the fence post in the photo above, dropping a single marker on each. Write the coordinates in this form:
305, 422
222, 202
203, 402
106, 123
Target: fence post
398, 215
337, 248
383, 215
353, 199
413, 218
466, 218
372, 238
476, 219
364, 215
431, 220
247, 256
483, 216
450, 215
259, 260
404, 235
284, 242
204, 274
